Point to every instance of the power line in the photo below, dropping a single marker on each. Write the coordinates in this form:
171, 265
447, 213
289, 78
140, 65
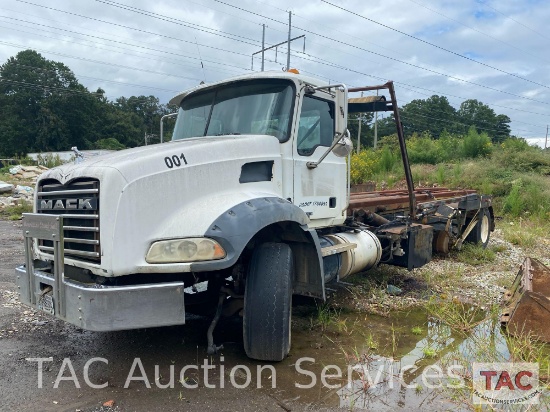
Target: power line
19, 46
361, 73
514, 20
132, 45
538, 56
401, 83
454, 122
418, 87
464, 99
179, 22
96, 78
53, 88
389, 57
437, 46
111, 40
131, 28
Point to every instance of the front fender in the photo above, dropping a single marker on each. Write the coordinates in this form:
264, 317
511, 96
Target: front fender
234, 228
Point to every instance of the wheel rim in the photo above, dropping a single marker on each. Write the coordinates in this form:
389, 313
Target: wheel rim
484, 228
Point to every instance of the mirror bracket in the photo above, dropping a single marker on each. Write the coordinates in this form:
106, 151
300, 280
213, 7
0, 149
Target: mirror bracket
343, 139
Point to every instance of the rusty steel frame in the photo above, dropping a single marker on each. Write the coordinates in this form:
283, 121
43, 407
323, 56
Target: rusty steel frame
400, 199
402, 146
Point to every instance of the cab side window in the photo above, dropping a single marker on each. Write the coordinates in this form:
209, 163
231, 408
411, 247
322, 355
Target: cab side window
316, 127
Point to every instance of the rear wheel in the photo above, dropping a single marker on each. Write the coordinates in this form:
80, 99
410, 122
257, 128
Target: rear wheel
268, 302
481, 233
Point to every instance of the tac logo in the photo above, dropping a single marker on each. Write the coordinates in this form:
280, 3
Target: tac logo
505, 383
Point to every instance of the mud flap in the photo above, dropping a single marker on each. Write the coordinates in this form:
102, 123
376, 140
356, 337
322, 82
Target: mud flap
527, 303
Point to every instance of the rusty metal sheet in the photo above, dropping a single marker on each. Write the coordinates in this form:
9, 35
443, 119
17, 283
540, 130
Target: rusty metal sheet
526, 306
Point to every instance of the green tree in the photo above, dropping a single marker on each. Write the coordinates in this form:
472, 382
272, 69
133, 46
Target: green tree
472, 112
502, 126
44, 107
434, 114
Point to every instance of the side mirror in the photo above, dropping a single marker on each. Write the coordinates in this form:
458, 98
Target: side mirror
341, 145
344, 146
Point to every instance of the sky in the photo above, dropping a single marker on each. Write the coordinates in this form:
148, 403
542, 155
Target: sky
494, 51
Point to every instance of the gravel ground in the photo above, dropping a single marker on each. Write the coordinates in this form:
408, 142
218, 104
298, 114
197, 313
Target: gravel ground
25, 333
446, 277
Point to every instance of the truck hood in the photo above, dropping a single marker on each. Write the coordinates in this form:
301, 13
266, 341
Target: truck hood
172, 190
134, 163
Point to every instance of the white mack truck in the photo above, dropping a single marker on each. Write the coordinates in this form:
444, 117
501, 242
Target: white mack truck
247, 205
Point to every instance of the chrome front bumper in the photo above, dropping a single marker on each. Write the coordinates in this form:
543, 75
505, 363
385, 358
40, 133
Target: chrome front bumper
108, 308
90, 306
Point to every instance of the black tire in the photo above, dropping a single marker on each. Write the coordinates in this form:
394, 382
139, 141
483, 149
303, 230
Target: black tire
268, 302
481, 233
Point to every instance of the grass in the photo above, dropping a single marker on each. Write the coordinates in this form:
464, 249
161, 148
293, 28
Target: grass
326, 316
15, 212
485, 343
459, 316
525, 233
475, 254
514, 173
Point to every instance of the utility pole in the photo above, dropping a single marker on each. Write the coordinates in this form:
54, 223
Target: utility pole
275, 46
359, 136
546, 140
376, 126
288, 44
263, 45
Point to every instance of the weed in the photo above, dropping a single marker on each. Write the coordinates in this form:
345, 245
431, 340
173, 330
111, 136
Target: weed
524, 233
457, 315
440, 174
387, 160
49, 160
416, 330
429, 352
393, 340
370, 342
476, 144
513, 203
326, 316
457, 172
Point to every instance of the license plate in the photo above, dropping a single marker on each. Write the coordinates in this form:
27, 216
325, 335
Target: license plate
45, 303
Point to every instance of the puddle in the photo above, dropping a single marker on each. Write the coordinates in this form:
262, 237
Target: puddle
404, 361
377, 363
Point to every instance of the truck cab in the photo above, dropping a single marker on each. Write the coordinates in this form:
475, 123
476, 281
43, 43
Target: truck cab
298, 114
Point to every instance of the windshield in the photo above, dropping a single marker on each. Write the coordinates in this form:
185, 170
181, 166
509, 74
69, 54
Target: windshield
248, 107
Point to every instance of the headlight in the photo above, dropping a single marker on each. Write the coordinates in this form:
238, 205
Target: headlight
184, 250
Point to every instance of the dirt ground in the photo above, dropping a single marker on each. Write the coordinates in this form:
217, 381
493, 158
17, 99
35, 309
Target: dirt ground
26, 334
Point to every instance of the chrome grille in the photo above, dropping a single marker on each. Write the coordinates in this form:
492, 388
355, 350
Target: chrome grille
78, 203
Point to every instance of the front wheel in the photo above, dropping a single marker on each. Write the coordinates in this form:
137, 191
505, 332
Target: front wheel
268, 302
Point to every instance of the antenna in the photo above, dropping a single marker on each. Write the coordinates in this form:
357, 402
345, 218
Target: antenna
200, 57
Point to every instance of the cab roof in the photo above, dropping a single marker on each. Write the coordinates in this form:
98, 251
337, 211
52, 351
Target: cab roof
299, 78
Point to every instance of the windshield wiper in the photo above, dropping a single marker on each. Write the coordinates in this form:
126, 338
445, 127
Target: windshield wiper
227, 134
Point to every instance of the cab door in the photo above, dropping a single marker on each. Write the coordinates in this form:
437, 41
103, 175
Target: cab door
322, 191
